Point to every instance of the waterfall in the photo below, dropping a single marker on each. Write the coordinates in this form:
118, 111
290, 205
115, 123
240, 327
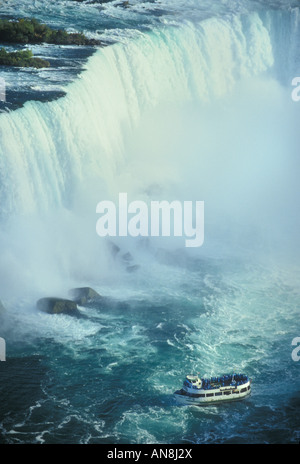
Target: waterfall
49, 148
68, 154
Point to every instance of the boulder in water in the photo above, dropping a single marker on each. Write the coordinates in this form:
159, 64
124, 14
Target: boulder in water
113, 248
84, 295
52, 305
132, 268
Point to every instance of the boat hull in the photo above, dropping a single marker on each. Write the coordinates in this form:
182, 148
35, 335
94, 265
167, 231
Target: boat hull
217, 396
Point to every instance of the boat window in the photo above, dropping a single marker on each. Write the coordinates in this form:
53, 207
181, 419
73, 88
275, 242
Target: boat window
227, 393
243, 390
218, 393
209, 394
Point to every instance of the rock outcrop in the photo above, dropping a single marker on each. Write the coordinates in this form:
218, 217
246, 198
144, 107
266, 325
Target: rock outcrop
52, 305
84, 295
132, 268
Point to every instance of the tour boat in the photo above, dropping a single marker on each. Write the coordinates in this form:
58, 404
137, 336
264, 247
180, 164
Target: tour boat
214, 390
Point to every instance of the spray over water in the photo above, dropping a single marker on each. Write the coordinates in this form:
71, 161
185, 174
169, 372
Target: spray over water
197, 112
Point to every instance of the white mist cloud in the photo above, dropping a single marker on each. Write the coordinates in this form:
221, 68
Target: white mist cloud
237, 153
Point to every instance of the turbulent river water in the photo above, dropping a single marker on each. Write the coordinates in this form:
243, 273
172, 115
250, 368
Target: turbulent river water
185, 102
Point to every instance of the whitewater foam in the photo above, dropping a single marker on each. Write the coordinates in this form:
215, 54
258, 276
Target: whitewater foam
160, 99
65, 156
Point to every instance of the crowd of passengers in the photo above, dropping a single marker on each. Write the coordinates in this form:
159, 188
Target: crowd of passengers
224, 381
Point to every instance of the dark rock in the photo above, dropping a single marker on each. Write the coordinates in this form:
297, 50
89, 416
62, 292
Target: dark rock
113, 248
132, 268
54, 305
84, 295
127, 257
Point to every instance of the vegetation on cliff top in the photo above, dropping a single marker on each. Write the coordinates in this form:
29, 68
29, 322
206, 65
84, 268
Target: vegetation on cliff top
31, 31
22, 58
